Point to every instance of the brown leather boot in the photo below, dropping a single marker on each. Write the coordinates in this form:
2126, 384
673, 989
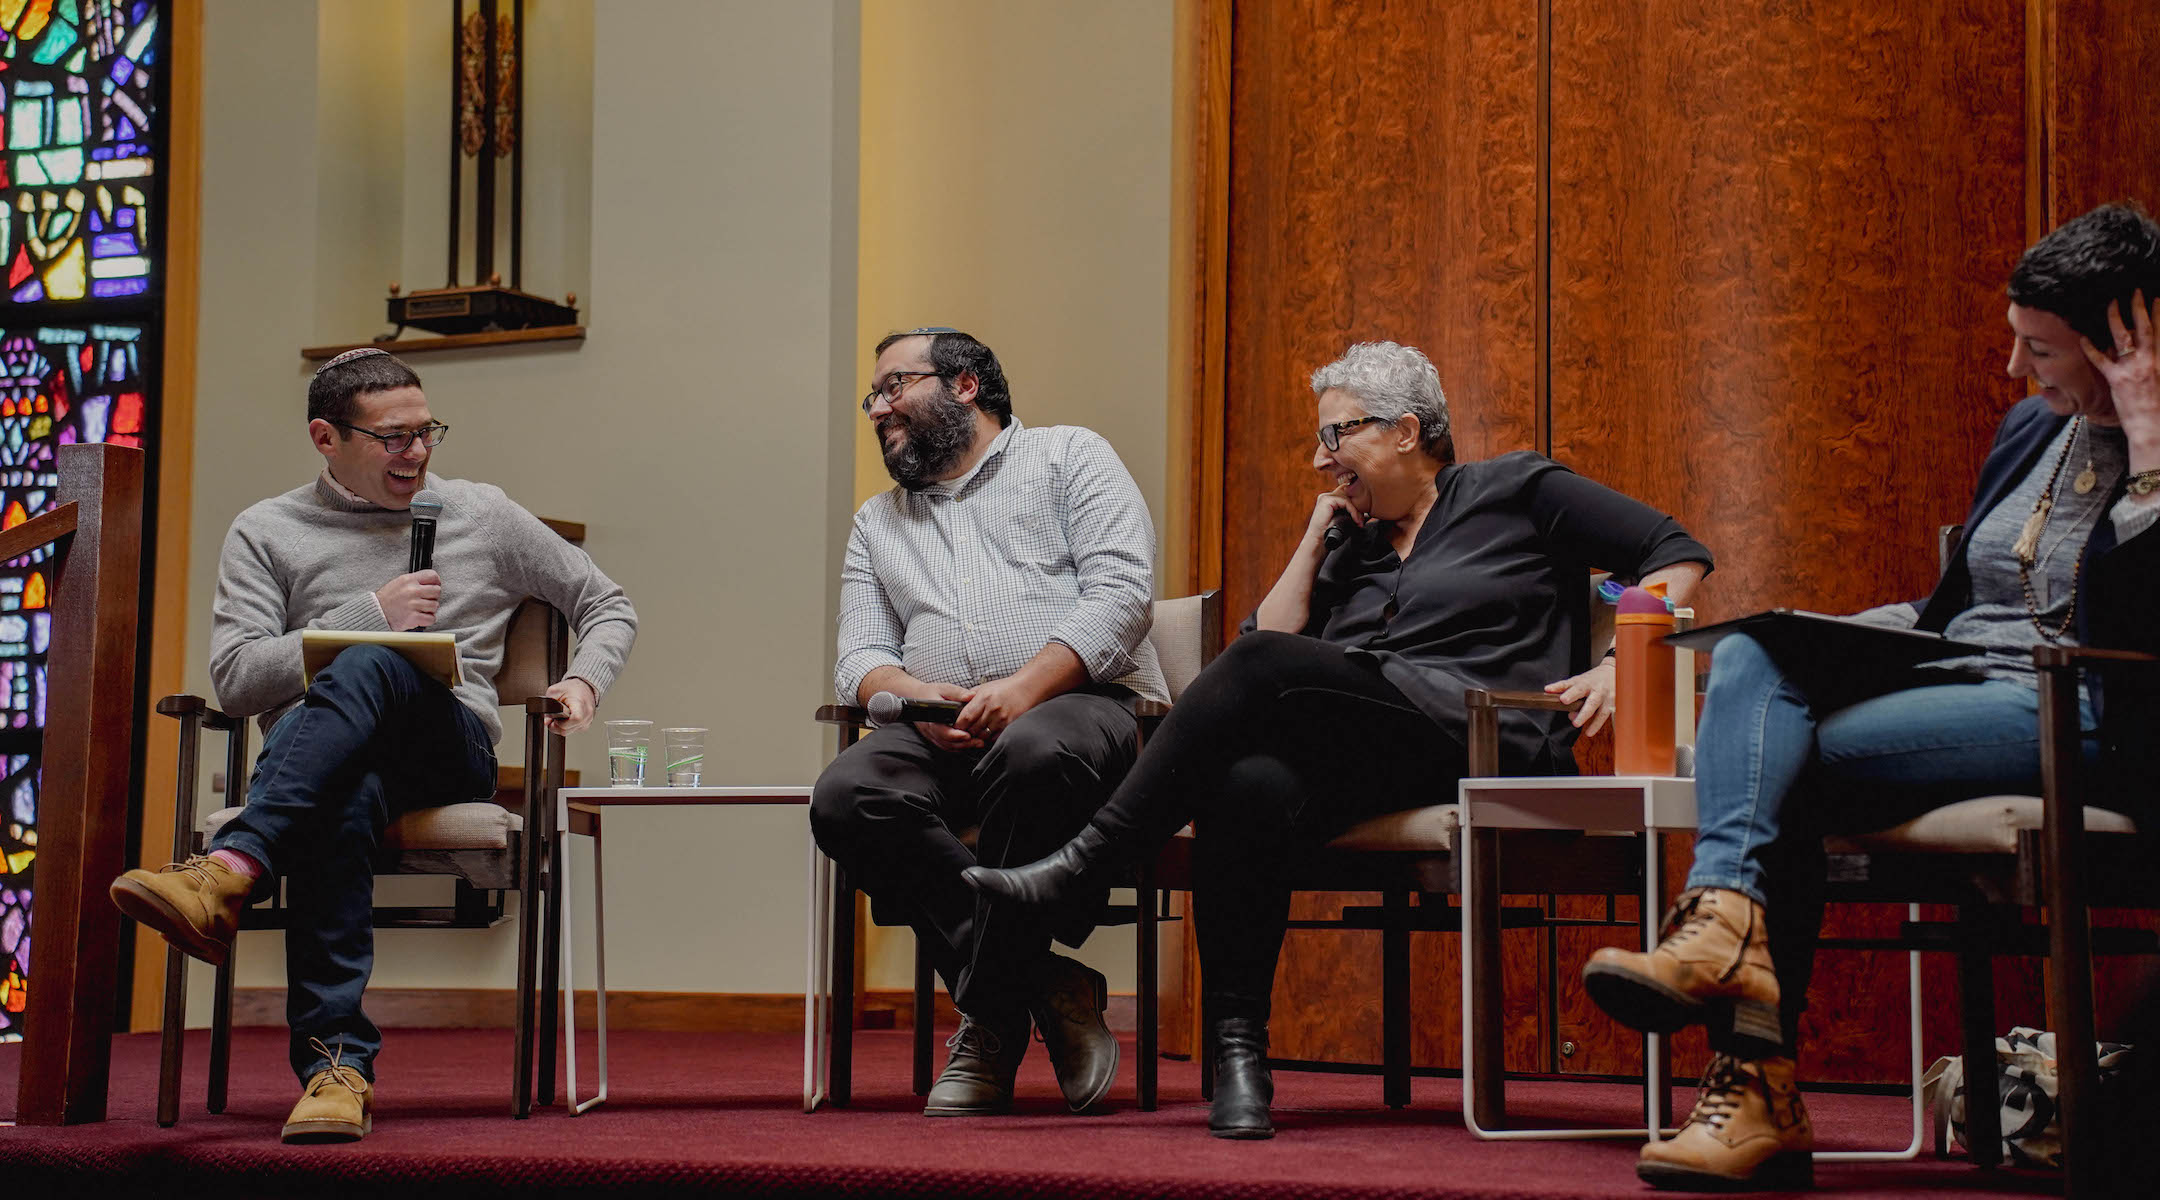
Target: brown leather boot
978, 1078
195, 905
1748, 1132
1714, 960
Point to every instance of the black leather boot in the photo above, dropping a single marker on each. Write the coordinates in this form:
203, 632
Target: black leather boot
1065, 872
1243, 1086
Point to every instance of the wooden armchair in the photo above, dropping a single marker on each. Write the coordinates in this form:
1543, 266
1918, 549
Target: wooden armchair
489, 848
1996, 857
1186, 633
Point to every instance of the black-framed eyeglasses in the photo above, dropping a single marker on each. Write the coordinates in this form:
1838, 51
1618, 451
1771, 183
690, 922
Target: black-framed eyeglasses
1331, 435
430, 435
894, 384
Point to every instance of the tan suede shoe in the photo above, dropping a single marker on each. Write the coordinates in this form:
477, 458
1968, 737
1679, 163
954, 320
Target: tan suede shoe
1749, 1131
1714, 960
195, 905
338, 1105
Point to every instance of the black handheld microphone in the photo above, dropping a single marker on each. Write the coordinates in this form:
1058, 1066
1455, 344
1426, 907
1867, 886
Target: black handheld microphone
1339, 529
426, 509
887, 709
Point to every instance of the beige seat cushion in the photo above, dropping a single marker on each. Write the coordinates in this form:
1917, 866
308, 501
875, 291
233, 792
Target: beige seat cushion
1987, 825
474, 825
1429, 830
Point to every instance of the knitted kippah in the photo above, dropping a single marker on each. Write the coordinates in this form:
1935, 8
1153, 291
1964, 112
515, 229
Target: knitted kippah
350, 355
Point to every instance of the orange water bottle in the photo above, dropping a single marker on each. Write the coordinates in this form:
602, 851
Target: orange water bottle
1643, 700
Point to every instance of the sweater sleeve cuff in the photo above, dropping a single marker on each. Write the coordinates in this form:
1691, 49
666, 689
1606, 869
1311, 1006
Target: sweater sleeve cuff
361, 612
594, 669
2134, 515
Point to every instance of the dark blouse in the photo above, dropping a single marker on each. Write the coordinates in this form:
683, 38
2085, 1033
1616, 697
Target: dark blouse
1495, 593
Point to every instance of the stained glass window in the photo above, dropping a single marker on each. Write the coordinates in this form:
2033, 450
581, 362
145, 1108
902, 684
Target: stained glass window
80, 200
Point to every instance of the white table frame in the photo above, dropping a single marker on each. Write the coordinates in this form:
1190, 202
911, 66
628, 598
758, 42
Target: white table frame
1635, 804
591, 803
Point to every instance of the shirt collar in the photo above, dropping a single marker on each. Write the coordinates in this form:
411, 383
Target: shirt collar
343, 493
958, 484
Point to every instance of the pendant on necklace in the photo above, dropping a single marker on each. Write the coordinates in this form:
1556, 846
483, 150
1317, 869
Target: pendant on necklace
2087, 479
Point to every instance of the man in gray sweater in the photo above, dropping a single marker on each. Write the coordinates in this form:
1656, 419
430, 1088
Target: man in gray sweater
371, 736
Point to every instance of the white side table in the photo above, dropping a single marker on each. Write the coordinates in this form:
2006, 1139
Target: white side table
1615, 804
578, 811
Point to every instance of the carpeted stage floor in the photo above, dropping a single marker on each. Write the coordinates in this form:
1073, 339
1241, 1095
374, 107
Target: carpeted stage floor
718, 1114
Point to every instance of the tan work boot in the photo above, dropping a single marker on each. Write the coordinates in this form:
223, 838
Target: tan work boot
338, 1104
195, 905
1749, 1131
1714, 959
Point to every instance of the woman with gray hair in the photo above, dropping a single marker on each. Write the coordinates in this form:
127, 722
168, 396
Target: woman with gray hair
1416, 578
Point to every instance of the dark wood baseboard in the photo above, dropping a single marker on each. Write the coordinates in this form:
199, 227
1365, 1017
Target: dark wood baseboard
674, 1012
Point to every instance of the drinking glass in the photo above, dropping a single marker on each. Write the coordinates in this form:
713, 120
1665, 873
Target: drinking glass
685, 750
627, 745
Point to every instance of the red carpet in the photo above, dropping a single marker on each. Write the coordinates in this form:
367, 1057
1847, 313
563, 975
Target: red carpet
721, 1114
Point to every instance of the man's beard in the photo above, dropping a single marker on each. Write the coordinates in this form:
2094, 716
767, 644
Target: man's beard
933, 439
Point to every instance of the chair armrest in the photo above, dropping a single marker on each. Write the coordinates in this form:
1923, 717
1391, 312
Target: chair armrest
1482, 739
2057, 657
842, 714
1540, 701
180, 705
544, 706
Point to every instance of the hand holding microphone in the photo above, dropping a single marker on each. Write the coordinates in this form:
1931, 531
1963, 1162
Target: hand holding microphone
933, 716
1334, 519
412, 600
888, 709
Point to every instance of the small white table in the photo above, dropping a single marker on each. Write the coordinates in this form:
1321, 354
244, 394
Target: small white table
578, 811
1614, 804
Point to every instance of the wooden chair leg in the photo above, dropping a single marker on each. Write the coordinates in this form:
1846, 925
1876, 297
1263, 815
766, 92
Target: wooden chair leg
1488, 1001
548, 1036
1976, 999
172, 1035
1207, 1060
841, 1086
1395, 999
529, 924
1146, 941
221, 1033
925, 1017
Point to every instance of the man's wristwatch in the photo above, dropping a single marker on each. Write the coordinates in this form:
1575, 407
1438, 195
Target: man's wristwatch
2144, 483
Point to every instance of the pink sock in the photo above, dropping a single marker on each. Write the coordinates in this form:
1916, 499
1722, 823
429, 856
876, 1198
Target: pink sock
238, 863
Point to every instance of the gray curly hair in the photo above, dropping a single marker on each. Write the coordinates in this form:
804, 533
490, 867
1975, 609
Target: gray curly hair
1392, 381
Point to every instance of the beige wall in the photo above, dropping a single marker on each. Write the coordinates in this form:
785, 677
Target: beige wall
693, 432
1016, 184
708, 220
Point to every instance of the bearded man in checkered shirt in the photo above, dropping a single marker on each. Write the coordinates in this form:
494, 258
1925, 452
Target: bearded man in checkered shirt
1010, 570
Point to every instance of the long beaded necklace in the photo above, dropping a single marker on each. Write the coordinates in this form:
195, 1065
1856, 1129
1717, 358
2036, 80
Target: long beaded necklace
2027, 546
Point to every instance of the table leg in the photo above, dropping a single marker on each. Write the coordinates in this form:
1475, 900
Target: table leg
817, 987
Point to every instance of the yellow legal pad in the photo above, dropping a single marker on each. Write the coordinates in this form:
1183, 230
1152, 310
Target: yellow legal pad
434, 653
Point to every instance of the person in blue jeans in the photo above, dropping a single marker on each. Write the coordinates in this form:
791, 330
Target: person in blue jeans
2057, 548
370, 736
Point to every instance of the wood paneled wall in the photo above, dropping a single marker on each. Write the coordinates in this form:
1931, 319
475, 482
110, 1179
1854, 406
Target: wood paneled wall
1743, 259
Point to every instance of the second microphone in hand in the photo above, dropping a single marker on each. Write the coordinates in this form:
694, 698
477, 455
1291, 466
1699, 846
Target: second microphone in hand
888, 709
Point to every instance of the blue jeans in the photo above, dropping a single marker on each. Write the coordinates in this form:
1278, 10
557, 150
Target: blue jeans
373, 738
1773, 775
1870, 765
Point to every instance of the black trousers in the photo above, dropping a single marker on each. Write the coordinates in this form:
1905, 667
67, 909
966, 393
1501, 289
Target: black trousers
1278, 746
890, 810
